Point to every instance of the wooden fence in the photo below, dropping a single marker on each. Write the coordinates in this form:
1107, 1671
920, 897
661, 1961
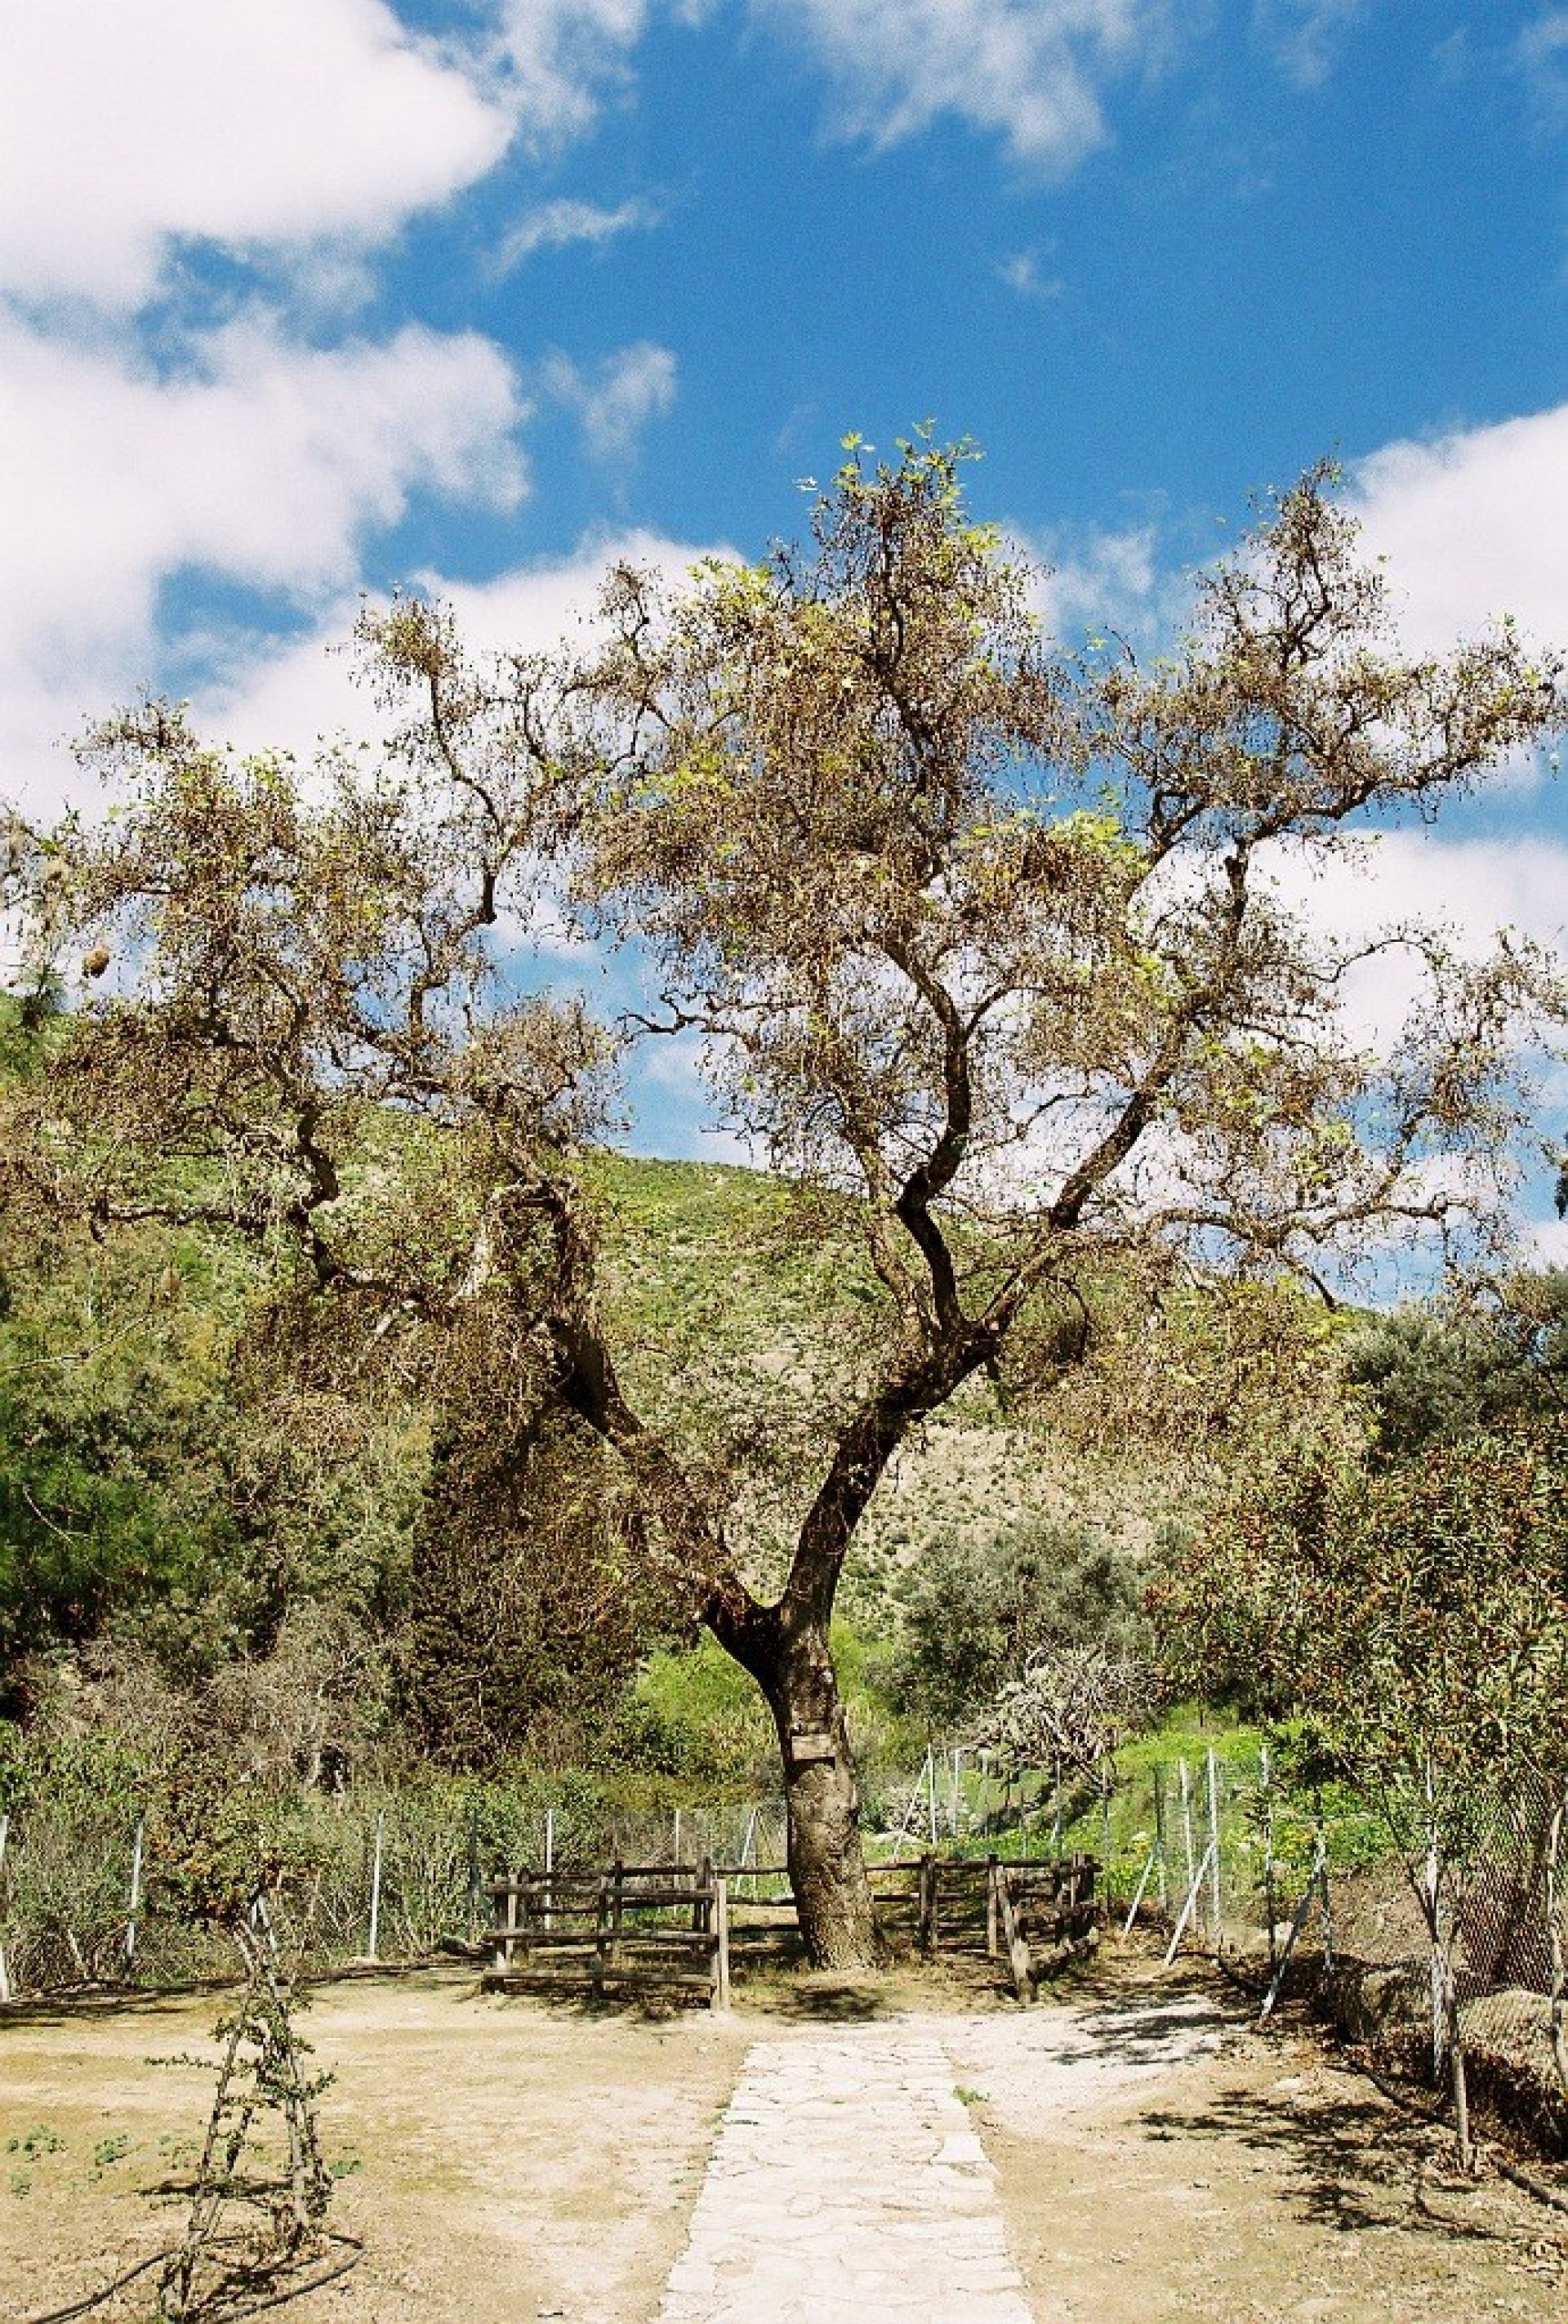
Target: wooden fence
635, 1928
675, 1928
1039, 1914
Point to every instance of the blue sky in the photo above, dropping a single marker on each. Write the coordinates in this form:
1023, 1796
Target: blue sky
302, 297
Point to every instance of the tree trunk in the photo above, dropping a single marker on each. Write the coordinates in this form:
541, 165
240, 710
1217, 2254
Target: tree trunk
828, 1868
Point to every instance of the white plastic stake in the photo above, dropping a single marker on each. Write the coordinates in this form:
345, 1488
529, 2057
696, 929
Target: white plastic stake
375, 1888
1178, 1932
135, 1897
5, 1972
1297, 1923
1138, 1892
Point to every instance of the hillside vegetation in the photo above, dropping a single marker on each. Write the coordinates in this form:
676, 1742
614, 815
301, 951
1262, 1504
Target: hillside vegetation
174, 1513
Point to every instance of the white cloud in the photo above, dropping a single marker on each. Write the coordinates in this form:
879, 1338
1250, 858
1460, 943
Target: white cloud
1030, 71
1099, 581
266, 463
561, 56
1021, 274
288, 697
556, 225
617, 401
124, 128
1542, 50
1306, 34
1471, 888
1472, 525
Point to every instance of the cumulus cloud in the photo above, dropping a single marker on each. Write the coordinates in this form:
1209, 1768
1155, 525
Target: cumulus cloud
614, 402
264, 463
1029, 71
1472, 525
125, 130
1473, 888
554, 225
302, 130
290, 697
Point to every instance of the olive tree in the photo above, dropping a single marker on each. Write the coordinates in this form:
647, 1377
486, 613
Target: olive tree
982, 946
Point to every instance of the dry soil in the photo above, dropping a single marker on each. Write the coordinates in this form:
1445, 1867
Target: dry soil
508, 2160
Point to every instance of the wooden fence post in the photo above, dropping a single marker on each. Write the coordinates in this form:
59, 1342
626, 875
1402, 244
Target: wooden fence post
721, 1935
600, 1941
508, 1920
926, 1938
990, 1910
1017, 1946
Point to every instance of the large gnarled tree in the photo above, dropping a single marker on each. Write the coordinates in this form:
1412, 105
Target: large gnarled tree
984, 947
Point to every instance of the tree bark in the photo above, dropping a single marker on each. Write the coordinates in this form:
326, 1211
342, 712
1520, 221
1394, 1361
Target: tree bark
792, 1662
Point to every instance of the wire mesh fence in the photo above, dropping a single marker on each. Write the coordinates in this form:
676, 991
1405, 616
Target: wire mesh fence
1209, 1849
1309, 1892
391, 1877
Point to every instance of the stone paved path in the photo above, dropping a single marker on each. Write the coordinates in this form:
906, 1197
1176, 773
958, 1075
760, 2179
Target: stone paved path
846, 2188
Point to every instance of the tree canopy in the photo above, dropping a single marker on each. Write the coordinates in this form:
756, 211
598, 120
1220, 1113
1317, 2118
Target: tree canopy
984, 947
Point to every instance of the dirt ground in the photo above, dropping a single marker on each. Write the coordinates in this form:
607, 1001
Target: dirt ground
1246, 2177
507, 2160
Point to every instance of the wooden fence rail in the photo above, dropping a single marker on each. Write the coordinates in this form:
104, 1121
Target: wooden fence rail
1038, 1913
613, 1931
668, 1927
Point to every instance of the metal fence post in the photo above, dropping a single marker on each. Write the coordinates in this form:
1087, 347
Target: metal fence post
1215, 1898
1186, 1788
1269, 1905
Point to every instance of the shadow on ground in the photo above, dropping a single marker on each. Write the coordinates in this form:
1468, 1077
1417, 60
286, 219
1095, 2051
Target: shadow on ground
1352, 2163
